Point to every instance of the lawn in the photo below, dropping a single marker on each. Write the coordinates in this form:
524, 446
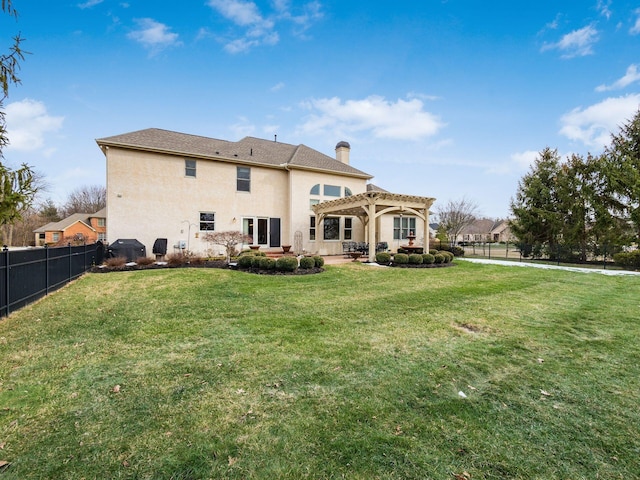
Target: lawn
468, 372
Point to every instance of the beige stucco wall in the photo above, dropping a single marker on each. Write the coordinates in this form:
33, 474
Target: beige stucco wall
149, 197
301, 183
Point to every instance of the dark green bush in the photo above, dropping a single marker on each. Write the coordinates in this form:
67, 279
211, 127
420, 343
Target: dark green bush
267, 263
455, 249
415, 259
427, 258
245, 261
383, 258
401, 259
319, 261
433, 251
307, 262
286, 264
255, 261
448, 256
628, 259
438, 258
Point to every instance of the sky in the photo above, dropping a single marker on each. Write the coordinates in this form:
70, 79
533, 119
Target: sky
449, 99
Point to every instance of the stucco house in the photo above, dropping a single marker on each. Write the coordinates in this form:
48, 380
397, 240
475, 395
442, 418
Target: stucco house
87, 227
177, 186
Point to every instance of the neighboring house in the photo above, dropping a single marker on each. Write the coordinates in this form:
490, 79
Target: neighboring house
169, 185
85, 227
486, 230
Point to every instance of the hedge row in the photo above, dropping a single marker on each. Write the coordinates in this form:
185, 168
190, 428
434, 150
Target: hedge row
258, 261
433, 257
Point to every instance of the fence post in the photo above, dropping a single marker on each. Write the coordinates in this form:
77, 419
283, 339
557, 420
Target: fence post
489, 251
46, 269
5, 251
604, 256
69, 271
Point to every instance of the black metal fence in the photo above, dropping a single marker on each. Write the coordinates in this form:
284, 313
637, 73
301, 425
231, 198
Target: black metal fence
596, 255
27, 275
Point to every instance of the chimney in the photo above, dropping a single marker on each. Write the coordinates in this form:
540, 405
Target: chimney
342, 152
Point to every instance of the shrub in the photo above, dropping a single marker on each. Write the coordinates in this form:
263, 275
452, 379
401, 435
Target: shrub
401, 259
433, 251
415, 259
307, 262
427, 258
115, 262
145, 261
438, 258
383, 258
245, 261
255, 261
448, 256
456, 250
319, 261
197, 260
177, 259
628, 259
266, 263
286, 264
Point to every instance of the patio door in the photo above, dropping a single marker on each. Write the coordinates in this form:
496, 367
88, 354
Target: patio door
257, 228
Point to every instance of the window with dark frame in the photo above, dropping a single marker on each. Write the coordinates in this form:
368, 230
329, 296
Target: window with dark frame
331, 228
348, 228
189, 168
243, 183
207, 221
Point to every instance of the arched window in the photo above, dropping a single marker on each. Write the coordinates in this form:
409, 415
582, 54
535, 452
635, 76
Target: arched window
347, 192
315, 190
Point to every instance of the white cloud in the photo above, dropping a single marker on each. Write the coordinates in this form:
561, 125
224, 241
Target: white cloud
401, 120
90, 3
594, 125
578, 43
519, 162
631, 76
27, 124
258, 29
277, 87
153, 35
635, 30
603, 8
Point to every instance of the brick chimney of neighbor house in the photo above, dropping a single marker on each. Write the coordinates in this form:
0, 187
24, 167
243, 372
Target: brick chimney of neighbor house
342, 152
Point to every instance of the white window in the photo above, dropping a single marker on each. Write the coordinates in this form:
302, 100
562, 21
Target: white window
402, 226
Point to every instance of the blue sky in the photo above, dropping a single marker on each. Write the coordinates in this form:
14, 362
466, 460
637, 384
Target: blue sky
447, 99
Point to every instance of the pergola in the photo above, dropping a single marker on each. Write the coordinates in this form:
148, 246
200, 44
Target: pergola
369, 206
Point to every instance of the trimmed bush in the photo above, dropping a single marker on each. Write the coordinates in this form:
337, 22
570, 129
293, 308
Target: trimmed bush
255, 261
383, 258
307, 262
267, 263
438, 258
286, 264
245, 261
319, 261
428, 259
433, 251
415, 259
401, 259
448, 256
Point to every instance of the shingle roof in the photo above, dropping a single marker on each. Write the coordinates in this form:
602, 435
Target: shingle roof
249, 150
65, 223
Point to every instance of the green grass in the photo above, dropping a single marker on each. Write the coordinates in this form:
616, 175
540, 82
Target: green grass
353, 373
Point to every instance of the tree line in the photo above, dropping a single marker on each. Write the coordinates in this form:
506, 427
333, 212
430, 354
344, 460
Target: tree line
581, 205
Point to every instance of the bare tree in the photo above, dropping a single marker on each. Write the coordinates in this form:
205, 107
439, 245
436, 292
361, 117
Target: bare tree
229, 240
455, 215
86, 199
